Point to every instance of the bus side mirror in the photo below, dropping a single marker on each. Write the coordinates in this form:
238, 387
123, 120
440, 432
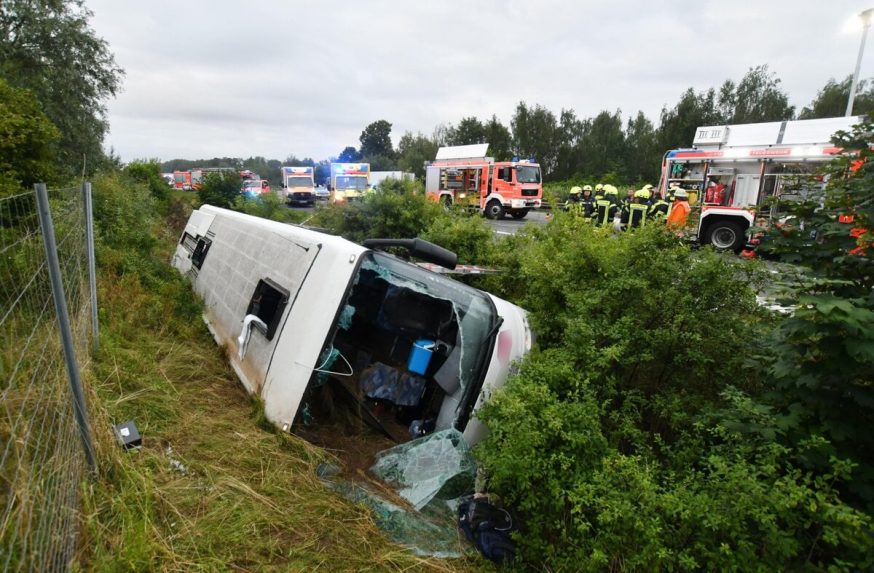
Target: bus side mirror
418, 248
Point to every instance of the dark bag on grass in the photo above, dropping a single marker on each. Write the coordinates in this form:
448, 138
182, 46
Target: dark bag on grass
488, 527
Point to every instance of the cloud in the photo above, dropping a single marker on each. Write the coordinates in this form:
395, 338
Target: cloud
263, 78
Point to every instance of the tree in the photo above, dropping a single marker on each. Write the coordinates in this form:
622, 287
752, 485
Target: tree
535, 132
349, 155
603, 144
499, 138
758, 98
568, 154
148, 171
414, 151
678, 124
376, 139
26, 139
49, 48
469, 130
831, 100
641, 154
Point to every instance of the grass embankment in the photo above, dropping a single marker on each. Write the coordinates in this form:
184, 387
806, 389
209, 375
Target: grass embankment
211, 488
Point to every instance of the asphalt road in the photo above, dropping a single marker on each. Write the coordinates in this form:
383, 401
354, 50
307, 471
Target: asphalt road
509, 226
506, 226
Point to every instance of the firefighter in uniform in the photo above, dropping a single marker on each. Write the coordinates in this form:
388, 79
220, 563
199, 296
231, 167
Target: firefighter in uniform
608, 206
637, 211
679, 211
587, 202
573, 200
659, 208
599, 192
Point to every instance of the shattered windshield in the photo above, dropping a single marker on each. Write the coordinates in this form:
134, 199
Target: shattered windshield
412, 340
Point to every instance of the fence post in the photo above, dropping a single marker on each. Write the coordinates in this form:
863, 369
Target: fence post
79, 409
92, 272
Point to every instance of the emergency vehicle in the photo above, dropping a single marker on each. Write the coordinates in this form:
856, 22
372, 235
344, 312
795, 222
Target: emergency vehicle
463, 175
349, 181
732, 170
182, 180
299, 184
312, 321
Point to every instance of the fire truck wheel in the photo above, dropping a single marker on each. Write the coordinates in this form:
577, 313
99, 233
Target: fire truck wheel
520, 214
447, 203
725, 235
494, 210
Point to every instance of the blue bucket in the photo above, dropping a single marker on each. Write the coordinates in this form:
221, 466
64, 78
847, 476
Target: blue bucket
420, 356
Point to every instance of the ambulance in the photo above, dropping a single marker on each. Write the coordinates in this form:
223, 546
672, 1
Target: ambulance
349, 182
299, 185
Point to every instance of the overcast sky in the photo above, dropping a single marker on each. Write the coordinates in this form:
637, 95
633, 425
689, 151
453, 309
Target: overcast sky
222, 78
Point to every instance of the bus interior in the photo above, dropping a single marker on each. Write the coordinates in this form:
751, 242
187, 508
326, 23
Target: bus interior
406, 355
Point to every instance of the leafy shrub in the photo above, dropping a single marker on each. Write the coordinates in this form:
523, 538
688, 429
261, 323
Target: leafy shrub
26, 140
821, 359
630, 441
398, 210
469, 236
219, 189
268, 206
148, 171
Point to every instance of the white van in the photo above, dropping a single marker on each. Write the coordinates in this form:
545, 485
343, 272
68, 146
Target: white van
312, 320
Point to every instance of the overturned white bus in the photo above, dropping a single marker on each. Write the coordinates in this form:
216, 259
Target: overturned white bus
308, 317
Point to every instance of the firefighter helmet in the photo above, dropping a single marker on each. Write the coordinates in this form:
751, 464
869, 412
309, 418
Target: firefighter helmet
610, 190
681, 194
587, 187
575, 190
598, 187
647, 187
642, 194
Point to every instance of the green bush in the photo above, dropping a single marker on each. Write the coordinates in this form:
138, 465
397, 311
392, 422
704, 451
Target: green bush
398, 210
219, 189
27, 138
467, 235
630, 440
148, 171
268, 206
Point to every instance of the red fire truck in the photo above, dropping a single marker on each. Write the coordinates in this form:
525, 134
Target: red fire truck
182, 180
463, 175
731, 170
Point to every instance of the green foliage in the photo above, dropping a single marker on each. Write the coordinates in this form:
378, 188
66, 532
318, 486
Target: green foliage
26, 139
268, 206
414, 151
635, 439
219, 189
376, 140
399, 209
465, 234
831, 100
535, 134
148, 171
50, 49
821, 359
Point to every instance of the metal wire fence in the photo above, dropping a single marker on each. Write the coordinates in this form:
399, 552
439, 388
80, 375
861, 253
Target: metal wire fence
42, 458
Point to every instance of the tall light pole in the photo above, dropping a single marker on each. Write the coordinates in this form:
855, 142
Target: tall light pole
865, 16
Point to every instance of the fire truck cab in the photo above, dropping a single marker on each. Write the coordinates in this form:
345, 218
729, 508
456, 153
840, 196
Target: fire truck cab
731, 170
463, 175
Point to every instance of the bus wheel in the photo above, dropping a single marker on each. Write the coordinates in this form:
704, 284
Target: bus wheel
519, 214
447, 203
494, 210
725, 235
